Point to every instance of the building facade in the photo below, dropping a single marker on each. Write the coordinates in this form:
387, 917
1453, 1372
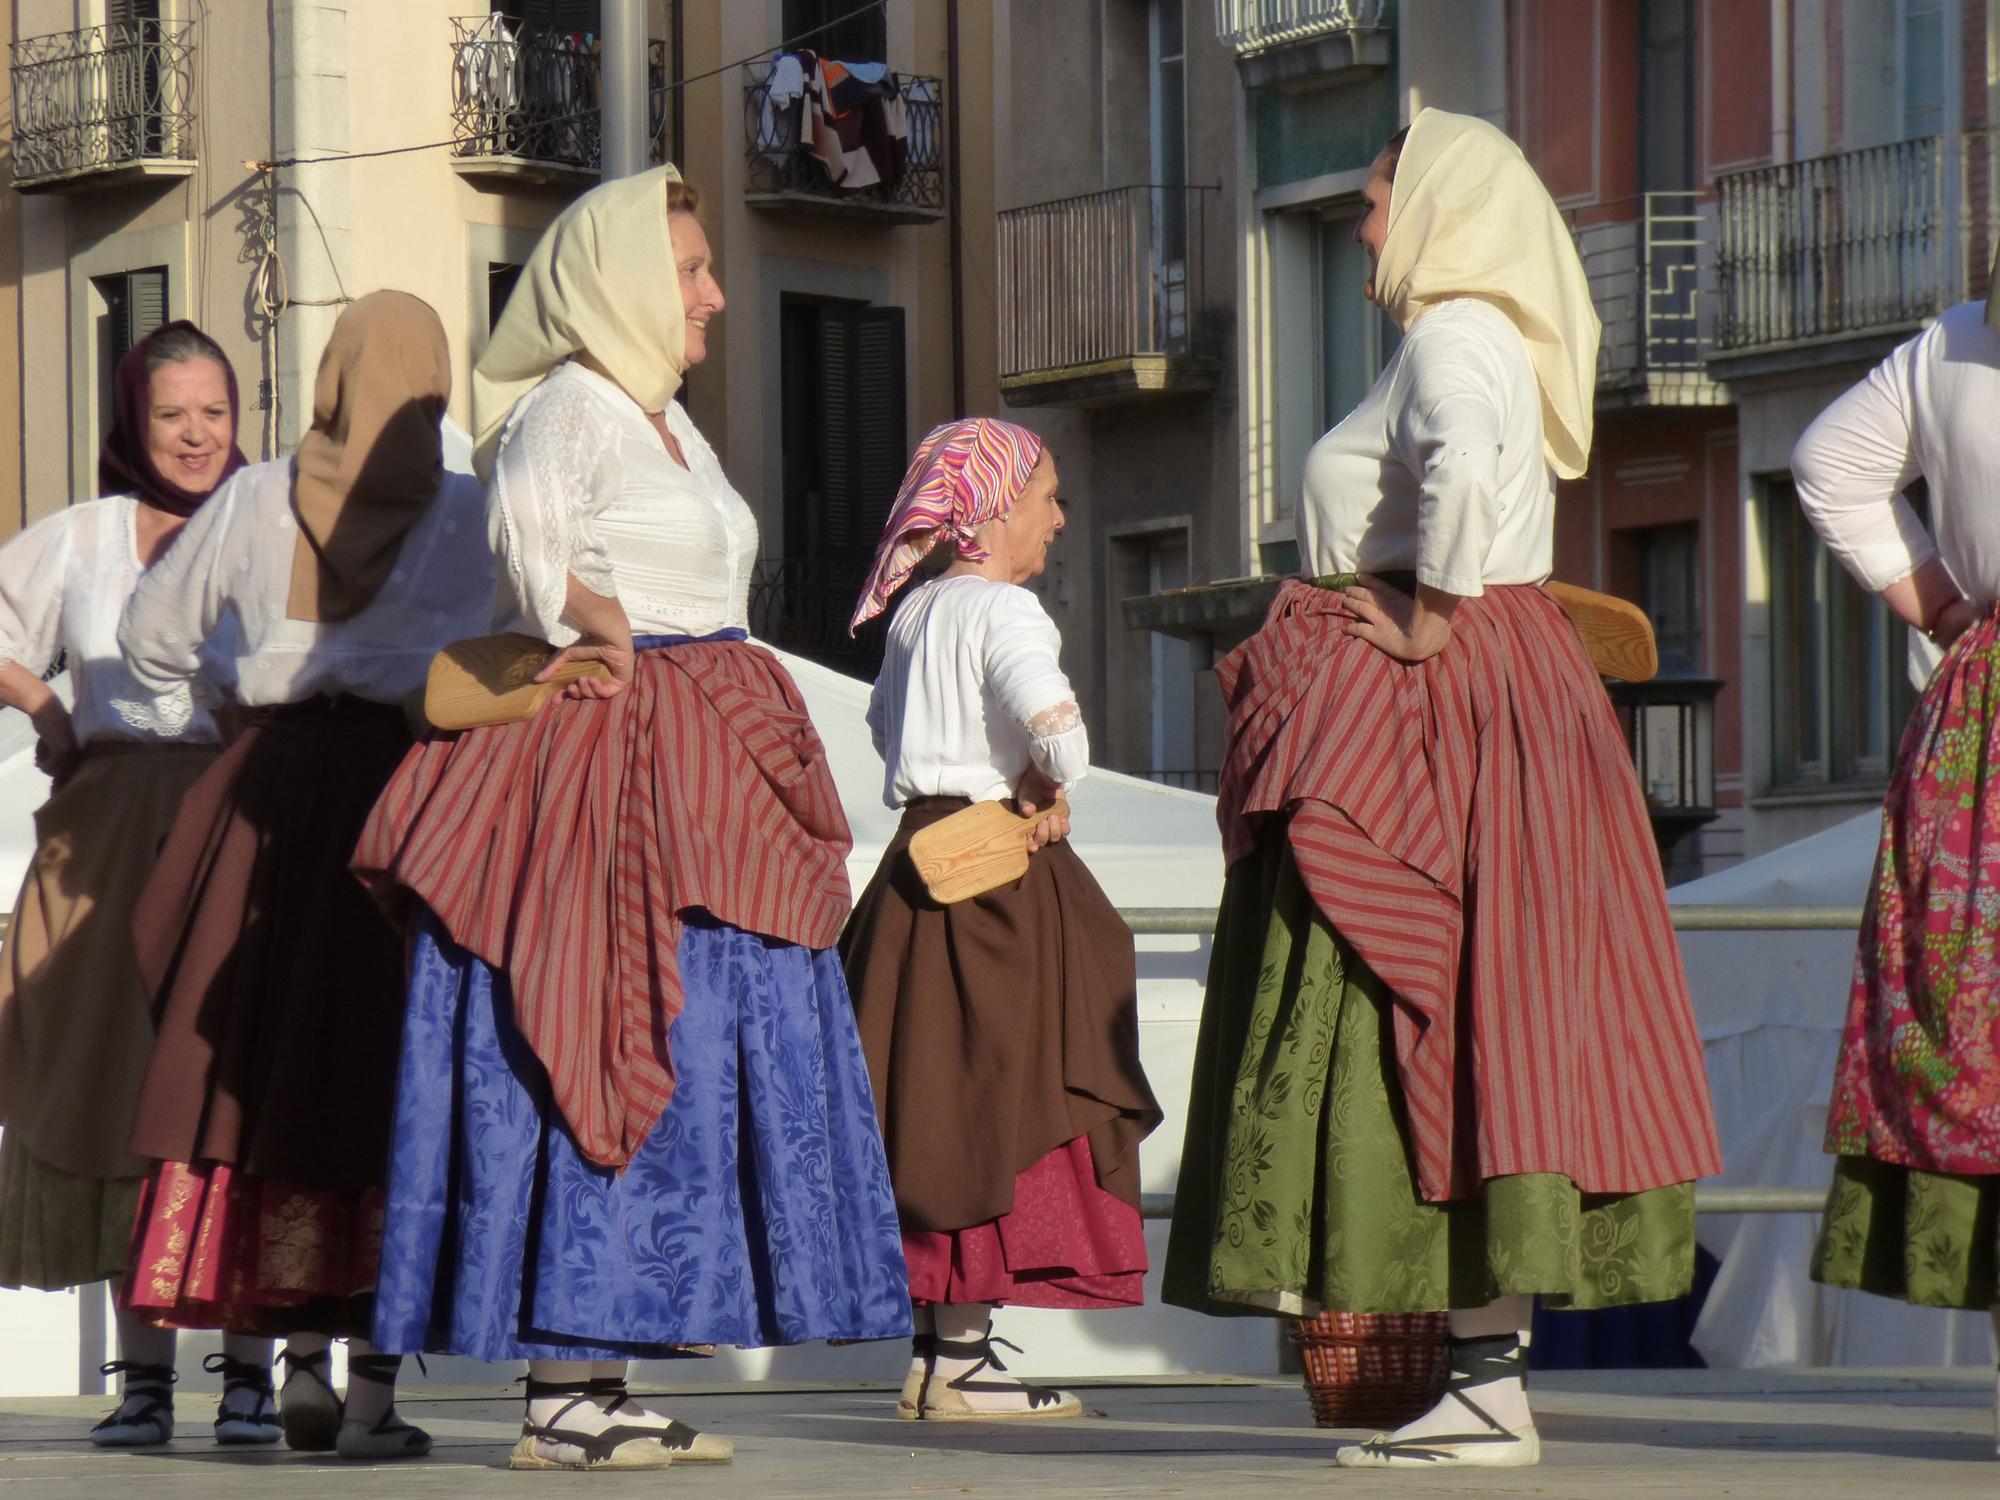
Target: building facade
255, 166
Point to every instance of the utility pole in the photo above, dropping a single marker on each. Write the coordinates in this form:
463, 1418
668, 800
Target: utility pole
622, 74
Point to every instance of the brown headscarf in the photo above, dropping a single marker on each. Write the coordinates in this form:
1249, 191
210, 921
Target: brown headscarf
374, 459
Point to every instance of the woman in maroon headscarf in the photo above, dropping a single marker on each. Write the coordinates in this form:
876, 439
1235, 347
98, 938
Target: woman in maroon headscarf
75, 1026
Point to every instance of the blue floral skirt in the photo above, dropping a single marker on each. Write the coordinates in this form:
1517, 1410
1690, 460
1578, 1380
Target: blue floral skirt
758, 1212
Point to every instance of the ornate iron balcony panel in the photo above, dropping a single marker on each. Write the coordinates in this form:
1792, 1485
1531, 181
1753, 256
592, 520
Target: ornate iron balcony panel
1866, 241
526, 100
107, 99
793, 164
1252, 26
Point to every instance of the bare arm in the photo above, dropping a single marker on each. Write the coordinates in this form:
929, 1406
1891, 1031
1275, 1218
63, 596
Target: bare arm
604, 634
56, 747
1928, 600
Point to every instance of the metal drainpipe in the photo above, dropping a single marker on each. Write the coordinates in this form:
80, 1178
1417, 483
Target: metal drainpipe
622, 69
954, 209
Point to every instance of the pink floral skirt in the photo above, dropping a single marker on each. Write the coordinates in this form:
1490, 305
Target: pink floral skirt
1918, 1081
1065, 1243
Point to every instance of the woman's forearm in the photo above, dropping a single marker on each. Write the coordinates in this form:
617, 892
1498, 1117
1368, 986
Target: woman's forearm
1919, 598
22, 689
599, 617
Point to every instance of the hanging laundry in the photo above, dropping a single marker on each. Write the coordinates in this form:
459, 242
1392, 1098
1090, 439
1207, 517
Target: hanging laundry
850, 118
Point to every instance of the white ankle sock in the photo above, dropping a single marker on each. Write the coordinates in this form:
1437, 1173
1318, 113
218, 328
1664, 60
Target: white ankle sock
368, 1401
1504, 1400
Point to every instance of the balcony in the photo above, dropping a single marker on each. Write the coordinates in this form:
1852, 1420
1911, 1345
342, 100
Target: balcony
525, 102
106, 104
1306, 44
1653, 282
881, 161
1838, 256
802, 605
1102, 298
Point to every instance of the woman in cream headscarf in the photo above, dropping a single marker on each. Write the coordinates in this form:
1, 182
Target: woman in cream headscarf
326, 583
633, 1113
1447, 1059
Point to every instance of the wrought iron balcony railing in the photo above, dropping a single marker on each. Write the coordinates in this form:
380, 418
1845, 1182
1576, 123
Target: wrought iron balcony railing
1653, 282
1104, 277
526, 99
107, 99
802, 605
1874, 240
786, 170
1252, 26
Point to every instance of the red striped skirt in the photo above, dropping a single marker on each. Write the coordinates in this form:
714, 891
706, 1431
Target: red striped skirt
1473, 826
563, 851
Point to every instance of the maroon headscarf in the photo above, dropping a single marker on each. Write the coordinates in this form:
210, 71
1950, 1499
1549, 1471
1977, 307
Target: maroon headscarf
123, 466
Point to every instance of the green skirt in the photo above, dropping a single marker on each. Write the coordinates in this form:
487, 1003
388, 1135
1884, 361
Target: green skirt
1930, 1238
58, 1229
1297, 1192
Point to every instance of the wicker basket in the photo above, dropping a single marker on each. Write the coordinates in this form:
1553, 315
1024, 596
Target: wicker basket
1373, 1370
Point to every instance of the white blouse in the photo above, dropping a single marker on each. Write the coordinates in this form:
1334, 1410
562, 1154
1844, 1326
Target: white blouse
1440, 470
583, 485
233, 561
971, 690
63, 584
1927, 411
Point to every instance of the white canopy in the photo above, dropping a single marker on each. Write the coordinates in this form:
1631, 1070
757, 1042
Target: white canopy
1770, 1007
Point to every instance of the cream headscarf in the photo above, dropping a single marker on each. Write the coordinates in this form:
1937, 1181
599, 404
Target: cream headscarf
1468, 217
602, 281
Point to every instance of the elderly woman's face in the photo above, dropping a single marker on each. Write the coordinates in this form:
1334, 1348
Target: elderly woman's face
701, 297
1372, 228
1033, 521
188, 428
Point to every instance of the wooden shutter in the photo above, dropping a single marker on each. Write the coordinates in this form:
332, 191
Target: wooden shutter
864, 431
146, 302
558, 15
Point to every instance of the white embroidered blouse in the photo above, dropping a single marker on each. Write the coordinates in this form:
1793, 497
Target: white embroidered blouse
63, 584
233, 562
1440, 470
971, 692
583, 485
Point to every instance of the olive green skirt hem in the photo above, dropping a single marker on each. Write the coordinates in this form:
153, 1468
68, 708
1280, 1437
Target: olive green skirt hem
58, 1229
1297, 1193
1928, 1238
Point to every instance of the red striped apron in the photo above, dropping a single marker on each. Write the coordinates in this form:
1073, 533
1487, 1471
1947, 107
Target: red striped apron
563, 850
1473, 826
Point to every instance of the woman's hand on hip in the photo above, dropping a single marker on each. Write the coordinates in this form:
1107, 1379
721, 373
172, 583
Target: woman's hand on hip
617, 660
56, 749
1957, 617
1409, 628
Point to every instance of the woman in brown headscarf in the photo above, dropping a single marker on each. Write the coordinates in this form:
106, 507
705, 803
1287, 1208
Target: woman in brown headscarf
74, 1029
279, 988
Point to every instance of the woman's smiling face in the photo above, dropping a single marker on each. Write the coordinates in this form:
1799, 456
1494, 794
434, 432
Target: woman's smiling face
189, 431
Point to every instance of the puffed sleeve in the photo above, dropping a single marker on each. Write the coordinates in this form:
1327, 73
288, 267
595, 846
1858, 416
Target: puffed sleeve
1025, 678
1448, 430
32, 567
1852, 466
182, 597
556, 471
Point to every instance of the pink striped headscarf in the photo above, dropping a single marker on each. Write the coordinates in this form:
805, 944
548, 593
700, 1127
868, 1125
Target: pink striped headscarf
964, 474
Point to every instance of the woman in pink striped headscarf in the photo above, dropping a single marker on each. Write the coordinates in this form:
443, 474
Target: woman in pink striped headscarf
1002, 1031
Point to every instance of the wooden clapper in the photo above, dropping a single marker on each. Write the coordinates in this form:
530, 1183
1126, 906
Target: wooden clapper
490, 679
986, 845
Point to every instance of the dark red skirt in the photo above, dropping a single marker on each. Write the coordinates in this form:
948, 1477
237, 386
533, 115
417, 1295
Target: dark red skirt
216, 1248
1065, 1243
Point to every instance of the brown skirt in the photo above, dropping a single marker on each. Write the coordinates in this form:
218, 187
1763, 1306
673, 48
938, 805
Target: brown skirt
996, 1030
277, 984
75, 1026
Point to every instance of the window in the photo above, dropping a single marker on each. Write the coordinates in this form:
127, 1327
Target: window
1167, 43
501, 276
1670, 593
1840, 688
581, 17
1922, 63
1355, 336
1173, 757
845, 444
847, 38
1666, 95
133, 304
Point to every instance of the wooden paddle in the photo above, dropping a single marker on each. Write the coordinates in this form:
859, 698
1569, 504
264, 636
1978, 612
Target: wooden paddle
975, 850
1615, 632
490, 679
